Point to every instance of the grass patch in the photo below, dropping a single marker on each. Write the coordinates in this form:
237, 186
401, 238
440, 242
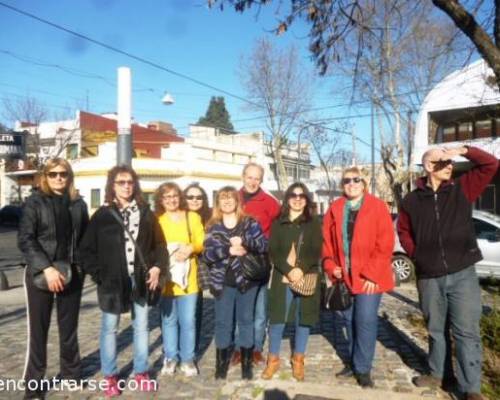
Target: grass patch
256, 391
490, 333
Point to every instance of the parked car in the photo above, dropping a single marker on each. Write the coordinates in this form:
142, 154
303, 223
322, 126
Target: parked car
487, 227
10, 215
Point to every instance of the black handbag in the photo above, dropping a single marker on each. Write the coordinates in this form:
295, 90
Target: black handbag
64, 268
152, 296
254, 267
337, 297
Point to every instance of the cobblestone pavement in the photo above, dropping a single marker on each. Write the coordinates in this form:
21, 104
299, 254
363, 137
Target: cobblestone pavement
398, 358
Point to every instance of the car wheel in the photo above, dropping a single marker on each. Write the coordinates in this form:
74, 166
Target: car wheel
403, 267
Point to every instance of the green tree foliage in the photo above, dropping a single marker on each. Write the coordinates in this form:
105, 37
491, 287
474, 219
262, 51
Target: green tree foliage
217, 115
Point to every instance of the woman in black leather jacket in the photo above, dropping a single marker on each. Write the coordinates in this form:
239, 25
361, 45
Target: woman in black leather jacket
53, 221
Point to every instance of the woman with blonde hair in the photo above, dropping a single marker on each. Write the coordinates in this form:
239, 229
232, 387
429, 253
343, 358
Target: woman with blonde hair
358, 240
53, 222
184, 233
231, 235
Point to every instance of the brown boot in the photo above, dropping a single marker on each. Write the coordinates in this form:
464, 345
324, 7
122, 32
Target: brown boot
272, 366
298, 366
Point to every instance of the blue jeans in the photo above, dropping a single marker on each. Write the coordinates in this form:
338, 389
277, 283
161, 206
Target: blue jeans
233, 305
260, 322
178, 326
301, 331
359, 324
107, 340
456, 297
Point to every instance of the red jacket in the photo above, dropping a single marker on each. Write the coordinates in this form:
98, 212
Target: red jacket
371, 248
263, 207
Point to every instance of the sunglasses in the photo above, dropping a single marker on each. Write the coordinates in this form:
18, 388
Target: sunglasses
123, 183
298, 196
170, 196
193, 197
346, 181
54, 174
442, 163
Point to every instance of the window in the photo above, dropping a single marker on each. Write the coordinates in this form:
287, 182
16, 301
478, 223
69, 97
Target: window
483, 128
465, 131
487, 200
150, 199
485, 230
72, 151
95, 198
449, 133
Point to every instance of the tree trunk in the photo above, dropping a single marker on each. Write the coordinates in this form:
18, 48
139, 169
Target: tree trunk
469, 26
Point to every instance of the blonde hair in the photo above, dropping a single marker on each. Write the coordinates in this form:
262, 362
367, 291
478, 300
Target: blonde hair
358, 171
70, 184
217, 213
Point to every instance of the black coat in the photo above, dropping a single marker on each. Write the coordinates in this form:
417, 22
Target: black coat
103, 257
36, 236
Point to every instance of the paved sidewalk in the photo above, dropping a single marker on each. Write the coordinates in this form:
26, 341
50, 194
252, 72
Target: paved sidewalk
397, 360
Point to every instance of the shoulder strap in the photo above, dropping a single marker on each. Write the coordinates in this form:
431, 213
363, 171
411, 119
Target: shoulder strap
188, 226
116, 216
300, 241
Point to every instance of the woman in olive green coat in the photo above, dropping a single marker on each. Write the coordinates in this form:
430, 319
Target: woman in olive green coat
295, 250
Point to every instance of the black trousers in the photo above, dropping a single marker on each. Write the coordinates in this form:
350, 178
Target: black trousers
39, 310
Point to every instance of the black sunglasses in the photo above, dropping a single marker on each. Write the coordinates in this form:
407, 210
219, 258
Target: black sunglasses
54, 174
299, 196
123, 183
346, 181
442, 163
193, 197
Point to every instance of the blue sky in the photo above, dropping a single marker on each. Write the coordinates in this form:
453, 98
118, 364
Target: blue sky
181, 35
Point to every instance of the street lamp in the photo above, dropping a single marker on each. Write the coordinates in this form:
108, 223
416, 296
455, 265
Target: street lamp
167, 99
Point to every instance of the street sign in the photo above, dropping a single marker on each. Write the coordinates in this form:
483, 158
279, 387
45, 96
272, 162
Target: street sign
11, 144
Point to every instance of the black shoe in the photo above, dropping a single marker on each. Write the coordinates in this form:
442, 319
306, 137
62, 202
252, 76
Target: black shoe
222, 359
346, 372
364, 380
246, 363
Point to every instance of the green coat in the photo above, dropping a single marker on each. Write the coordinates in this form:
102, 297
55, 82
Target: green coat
283, 234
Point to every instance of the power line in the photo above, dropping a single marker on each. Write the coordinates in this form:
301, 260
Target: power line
127, 54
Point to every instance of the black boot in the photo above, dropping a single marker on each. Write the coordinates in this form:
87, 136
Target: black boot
246, 363
222, 359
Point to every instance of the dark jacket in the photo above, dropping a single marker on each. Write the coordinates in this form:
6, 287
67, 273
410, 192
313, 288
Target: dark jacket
37, 231
436, 228
283, 234
103, 257
216, 253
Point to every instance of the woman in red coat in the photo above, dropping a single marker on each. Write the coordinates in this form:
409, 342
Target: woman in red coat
357, 248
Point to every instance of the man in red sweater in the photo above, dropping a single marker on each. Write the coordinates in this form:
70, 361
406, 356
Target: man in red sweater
435, 228
264, 208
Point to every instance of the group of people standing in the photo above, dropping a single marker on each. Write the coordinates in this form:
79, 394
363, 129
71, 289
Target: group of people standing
253, 255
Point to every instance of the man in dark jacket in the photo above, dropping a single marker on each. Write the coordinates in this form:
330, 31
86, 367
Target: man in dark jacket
435, 228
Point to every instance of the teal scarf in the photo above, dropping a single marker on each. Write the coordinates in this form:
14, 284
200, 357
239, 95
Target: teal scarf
348, 207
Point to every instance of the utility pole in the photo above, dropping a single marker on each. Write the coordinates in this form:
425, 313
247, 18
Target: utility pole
373, 148
353, 135
124, 139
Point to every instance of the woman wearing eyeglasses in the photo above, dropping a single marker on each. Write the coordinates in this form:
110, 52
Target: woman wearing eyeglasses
231, 234
358, 240
295, 250
197, 201
184, 233
124, 252
53, 221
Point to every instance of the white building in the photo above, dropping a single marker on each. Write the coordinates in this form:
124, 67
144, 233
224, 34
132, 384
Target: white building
464, 108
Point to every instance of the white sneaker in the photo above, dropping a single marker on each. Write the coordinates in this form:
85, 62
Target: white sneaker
169, 367
189, 369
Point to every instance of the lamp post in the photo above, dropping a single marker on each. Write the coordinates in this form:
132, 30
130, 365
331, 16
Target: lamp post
124, 140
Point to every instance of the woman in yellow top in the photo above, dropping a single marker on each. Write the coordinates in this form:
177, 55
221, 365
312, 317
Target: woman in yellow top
184, 233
